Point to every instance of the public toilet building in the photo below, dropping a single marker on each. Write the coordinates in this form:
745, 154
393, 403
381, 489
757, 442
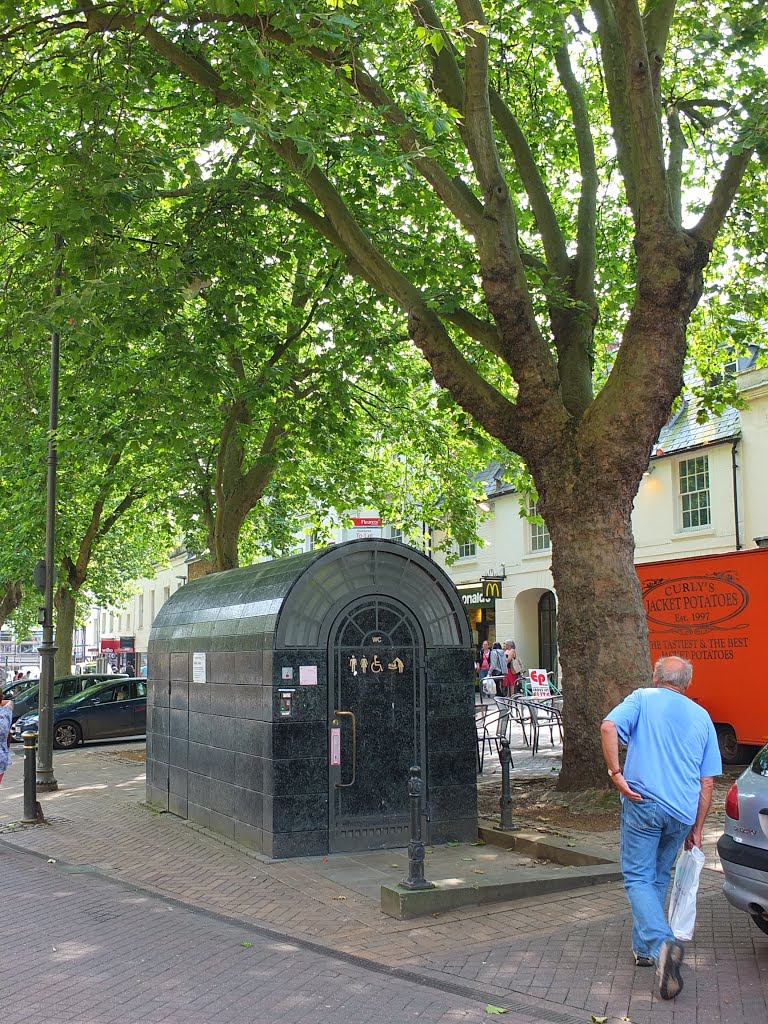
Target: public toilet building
288, 700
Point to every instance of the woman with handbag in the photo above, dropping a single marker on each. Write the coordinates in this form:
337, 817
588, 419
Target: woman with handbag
514, 668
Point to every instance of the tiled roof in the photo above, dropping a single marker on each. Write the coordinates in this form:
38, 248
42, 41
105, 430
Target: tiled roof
491, 482
683, 431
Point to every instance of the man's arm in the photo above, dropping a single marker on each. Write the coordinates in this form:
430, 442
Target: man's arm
705, 801
610, 740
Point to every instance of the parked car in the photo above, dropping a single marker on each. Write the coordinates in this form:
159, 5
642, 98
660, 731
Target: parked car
14, 687
743, 848
67, 686
105, 711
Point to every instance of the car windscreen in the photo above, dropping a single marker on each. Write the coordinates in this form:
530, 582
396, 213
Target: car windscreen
84, 697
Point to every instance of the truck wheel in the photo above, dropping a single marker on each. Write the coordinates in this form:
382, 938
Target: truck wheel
731, 751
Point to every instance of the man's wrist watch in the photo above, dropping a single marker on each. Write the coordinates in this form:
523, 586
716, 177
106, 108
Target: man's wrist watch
611, 772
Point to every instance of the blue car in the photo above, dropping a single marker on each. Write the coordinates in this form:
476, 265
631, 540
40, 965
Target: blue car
104, 711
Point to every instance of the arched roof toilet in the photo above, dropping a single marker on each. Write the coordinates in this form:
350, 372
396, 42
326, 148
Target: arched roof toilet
288, 700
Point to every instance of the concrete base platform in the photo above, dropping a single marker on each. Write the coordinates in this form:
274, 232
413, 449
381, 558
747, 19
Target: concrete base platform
564, 865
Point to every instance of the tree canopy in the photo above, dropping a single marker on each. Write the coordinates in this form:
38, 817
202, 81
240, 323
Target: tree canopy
537, 188
219, 363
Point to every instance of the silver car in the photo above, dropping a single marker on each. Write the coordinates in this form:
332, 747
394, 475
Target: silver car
743, 848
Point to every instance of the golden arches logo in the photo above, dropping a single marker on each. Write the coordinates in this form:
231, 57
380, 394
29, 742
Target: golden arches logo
491, 588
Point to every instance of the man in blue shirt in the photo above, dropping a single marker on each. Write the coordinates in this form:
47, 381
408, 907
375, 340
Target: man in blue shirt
666, 790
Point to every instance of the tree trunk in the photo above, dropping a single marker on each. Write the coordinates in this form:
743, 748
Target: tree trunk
10, 600
226, 539
587, 485
602, 632
66, 604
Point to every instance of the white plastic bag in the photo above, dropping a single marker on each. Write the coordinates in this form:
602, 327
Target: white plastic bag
489, 686
685, 885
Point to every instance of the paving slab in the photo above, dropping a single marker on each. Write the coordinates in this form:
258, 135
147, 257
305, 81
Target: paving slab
555, 957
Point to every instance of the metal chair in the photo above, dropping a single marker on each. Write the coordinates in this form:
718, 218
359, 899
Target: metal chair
512, 709
544, 714
483, 724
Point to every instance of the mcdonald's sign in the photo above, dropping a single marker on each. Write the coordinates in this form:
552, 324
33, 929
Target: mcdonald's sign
492, 589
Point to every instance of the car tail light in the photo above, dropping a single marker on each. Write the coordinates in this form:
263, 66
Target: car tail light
732, 803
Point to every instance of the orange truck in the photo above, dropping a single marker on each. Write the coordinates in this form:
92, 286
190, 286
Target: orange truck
712, 609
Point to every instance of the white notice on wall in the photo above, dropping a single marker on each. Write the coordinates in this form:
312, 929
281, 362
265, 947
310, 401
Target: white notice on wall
198, 667
307, 675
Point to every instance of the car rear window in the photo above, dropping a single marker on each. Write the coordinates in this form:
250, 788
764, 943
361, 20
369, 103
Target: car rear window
760, 765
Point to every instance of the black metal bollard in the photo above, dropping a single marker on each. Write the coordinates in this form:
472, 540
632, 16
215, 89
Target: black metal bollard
30, 777
505, 801
415, 879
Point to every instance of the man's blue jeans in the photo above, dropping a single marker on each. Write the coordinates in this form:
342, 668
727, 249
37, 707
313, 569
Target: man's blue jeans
650, 840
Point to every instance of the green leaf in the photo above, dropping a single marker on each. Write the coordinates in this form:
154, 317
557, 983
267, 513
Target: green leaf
490, 1008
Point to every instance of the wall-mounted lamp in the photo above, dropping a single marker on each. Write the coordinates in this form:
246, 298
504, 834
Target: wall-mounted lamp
648, 471
484, 506
762, 542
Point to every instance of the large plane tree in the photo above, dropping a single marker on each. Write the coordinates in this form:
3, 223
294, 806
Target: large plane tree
537, 186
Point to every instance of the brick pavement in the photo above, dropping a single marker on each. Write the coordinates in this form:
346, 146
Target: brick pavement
562, 954
88, 951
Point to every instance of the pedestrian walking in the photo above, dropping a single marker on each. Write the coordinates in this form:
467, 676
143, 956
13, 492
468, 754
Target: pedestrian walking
666, 791
6, 719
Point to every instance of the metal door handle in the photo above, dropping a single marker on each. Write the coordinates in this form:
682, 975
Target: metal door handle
350, 714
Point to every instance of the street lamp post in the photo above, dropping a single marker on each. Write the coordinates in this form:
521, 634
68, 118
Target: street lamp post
45, 777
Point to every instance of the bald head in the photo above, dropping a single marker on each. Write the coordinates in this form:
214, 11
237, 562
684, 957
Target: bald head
673, 671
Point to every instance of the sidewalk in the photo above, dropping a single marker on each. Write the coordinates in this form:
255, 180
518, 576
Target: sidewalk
559, 958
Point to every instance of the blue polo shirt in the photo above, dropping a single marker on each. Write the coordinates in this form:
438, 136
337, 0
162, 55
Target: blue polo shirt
671, 745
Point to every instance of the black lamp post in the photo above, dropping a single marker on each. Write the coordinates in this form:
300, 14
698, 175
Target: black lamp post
45, 777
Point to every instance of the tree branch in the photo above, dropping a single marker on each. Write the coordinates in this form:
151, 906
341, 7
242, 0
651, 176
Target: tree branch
459, 200
478, 131
652, 213
614, 68
119, 510
497, 225
675, 164
480, 330
195, 69
587, 220
445, 69
657, 21
723, 195
260, 473
10, 599
533, 183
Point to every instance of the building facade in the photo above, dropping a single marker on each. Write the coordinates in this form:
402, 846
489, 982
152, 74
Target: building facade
705, 492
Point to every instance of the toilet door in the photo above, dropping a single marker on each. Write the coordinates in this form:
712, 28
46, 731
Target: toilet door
377, 727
